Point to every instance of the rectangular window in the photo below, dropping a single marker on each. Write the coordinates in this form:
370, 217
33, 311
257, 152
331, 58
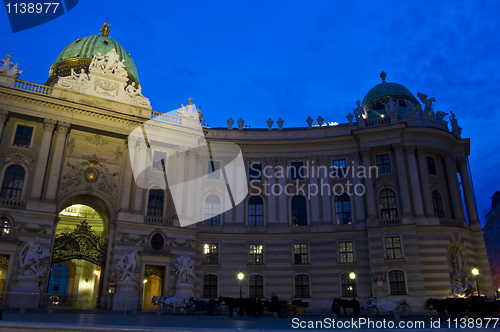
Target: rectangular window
23, 136
213, 171
431, 166
339, 168
300, 253
397, 282
296, 170
157, 160
256, 254
255, 171
211, 251
256, 287
56, 288
301, 286
210, 286
393, 247
346, 252
383, 163
57, 276
348, 286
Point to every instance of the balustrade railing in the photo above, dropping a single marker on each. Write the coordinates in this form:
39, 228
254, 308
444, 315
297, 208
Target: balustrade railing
169, 118
12, 203
451, 222
158, 221
259, 229
346, 227
391, 221
210, 229
33, 87
377, 122
300, 229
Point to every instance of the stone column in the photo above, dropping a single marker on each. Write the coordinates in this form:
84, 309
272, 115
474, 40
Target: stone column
142, 151
269, 178
356, 181
283, 208
415, 182
55, 167
191, 188
237, 194
3, 117
179, 178
468, 194
451, 174
313, 182
424, 182
369, 194
403, 184
41, 163
325, 191
127, 178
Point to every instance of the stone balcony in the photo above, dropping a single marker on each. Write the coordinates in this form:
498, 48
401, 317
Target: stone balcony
12, 203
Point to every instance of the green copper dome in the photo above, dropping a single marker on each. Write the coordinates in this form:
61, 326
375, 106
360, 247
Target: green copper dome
78, 55
385, 89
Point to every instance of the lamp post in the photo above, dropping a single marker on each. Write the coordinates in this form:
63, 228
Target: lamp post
352, 276
475, 272
240, 278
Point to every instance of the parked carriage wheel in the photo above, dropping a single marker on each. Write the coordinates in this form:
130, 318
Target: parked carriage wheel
299, 311
403, 310
217, 309
189, 310
284, 312
372, 311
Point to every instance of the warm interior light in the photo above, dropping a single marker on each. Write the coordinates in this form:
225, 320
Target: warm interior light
352, 275
206, 250
382, 115
145, 281
241, 276
475, 271
96, 272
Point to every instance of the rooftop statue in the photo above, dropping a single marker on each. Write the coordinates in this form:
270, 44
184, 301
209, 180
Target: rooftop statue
6, 70
428, 104
30, 257
412, 110
189, 110
359, 111
440, 115
105, 29
391, 106
455, 128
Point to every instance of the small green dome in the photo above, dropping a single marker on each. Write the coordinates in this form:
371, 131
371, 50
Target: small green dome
78, 55
385, 89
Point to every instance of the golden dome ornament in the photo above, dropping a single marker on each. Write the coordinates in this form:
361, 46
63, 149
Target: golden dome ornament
91, 174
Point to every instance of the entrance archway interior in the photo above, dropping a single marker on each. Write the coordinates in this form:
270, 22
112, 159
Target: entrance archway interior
75, 282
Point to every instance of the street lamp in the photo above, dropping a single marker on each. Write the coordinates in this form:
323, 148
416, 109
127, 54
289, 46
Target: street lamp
352, 276
240, 278
475, 272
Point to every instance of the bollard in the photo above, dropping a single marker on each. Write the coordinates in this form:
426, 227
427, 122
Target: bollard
50, 311
334, 316
22, 311
275, 315
134, 312
397, 318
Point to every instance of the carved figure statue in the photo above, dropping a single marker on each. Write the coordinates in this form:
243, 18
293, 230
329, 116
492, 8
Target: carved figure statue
120, 68
6, 70
81, 78
358, 111
133, 91
391, 106
459, 290
97, 62
414, 111
112, 59
30, 257
129, 262
189, 110
455, 128
184, 268
428, 104
440, 115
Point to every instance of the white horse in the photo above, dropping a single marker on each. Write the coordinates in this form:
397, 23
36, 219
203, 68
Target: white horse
167, 301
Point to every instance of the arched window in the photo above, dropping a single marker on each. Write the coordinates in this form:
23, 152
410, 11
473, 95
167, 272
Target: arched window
348, 286
343, 209
299, 211
388, 208
301, 286
438, 204
397, 282
256, 287
212, 211
155, 203
4, 226
210, 286
255, 212
13, 180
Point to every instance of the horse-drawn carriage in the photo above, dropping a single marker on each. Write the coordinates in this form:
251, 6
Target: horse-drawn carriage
396, 306
256, 307
458, 307
211, 307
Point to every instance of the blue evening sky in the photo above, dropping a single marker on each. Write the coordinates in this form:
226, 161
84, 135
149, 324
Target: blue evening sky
293, 59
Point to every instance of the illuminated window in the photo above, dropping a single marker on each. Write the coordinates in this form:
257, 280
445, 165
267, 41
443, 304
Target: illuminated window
300, 253
256, 257
348, 286
211, 252
346, 252
393, 247
4, 226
